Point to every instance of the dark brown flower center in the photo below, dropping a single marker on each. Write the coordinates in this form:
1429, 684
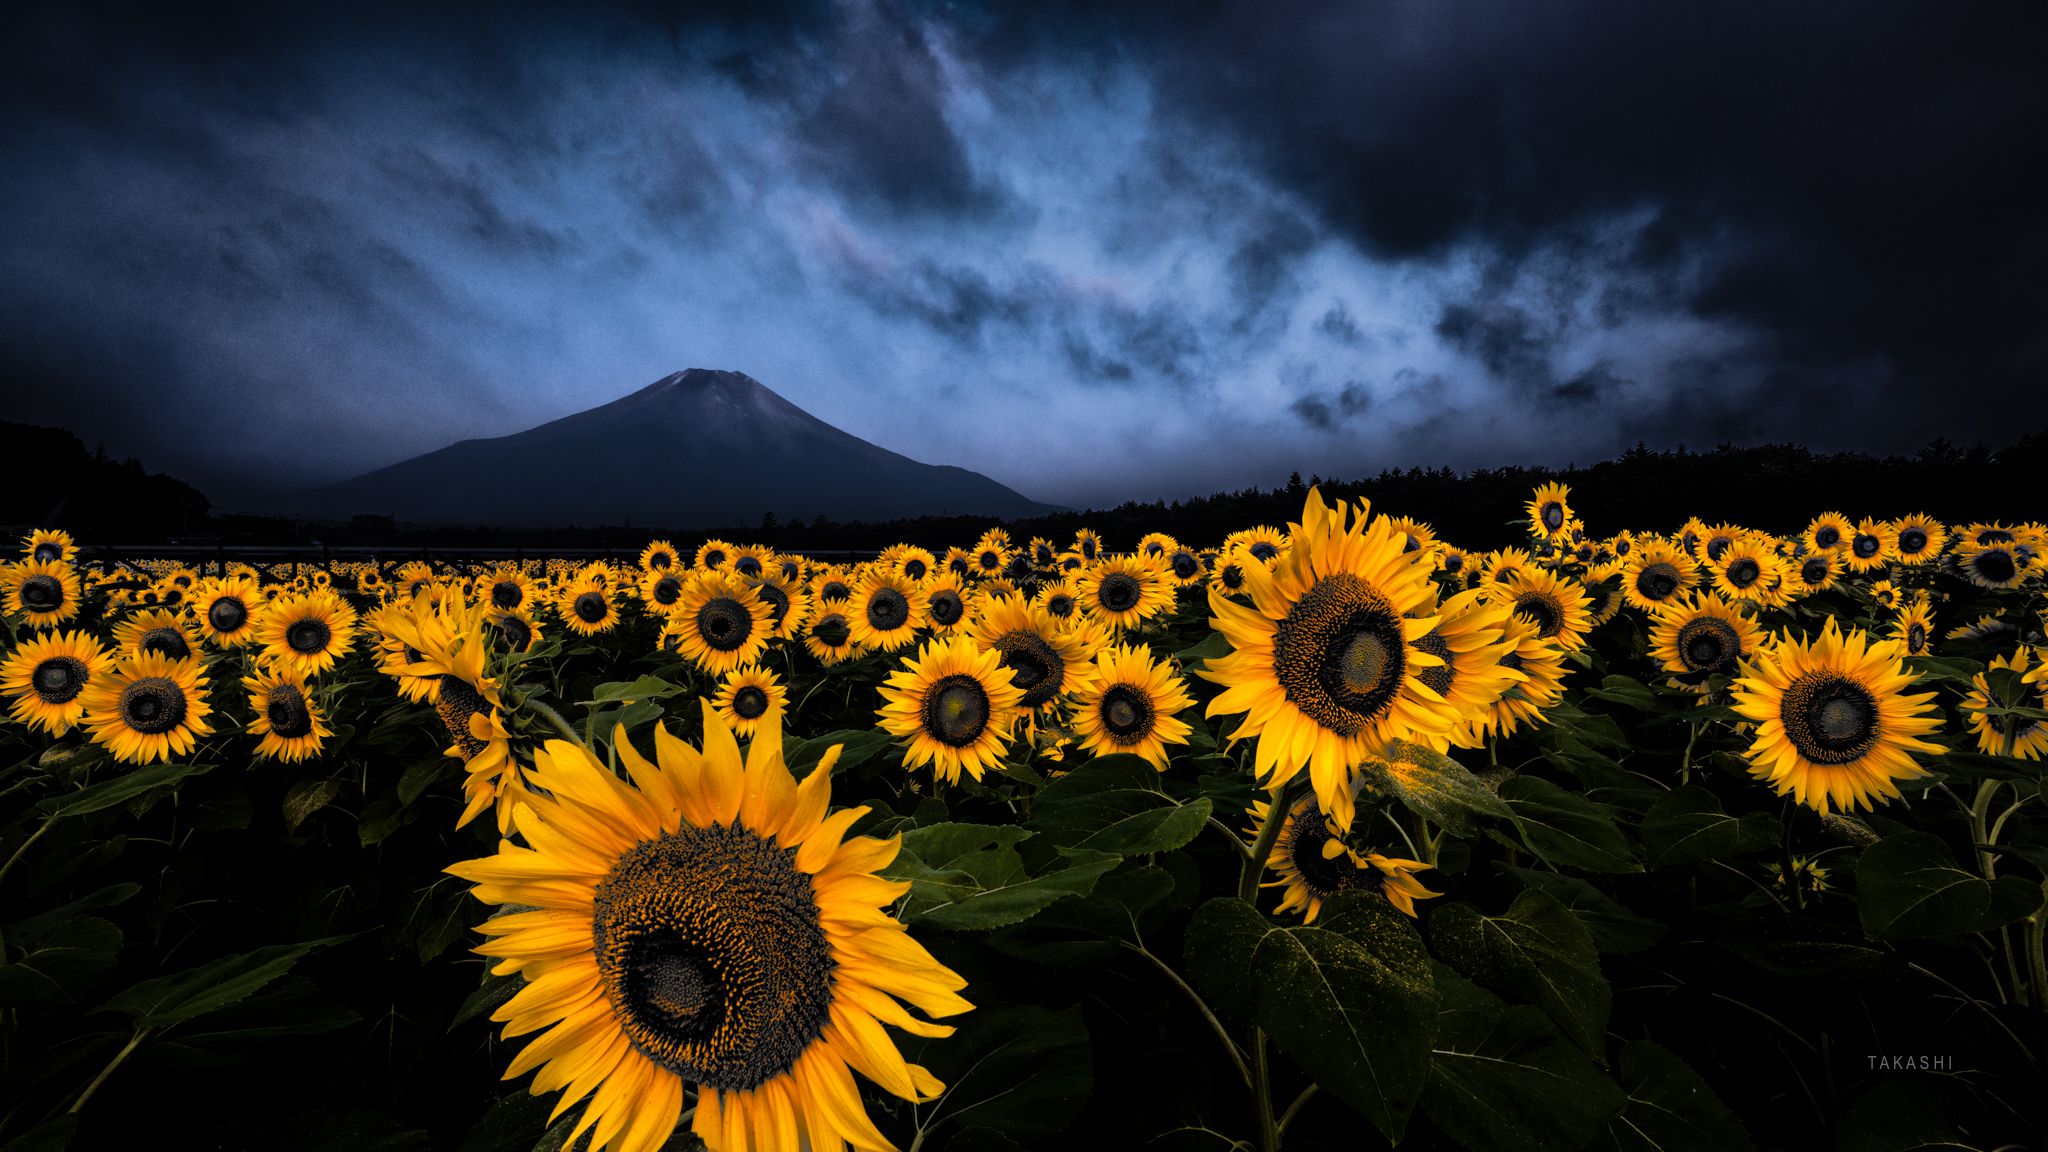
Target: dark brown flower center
227, 615
288, 713
725, 624
42, 593
59, 679
1829, 718
1127, 714
956, 710
153, 705
888, 610
1339, 654
749, 703
1119, 592
1035, 665
308, 636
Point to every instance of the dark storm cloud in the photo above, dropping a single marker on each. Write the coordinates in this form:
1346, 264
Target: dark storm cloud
1096, 251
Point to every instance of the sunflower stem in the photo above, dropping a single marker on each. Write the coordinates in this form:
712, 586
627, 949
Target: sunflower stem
1262, 1088
1287, 1117
1262, 850
555, 720
18, 852
1208, 1014
134, 1042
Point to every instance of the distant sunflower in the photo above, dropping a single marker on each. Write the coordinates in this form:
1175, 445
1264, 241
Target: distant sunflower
1870, 545
370, 582
992, 552
1918, 539
1549, 511
1982, 533
2003, 685
414, 576
1471, 640
49, 546
1131, 705
1540, 664
1183, 567
753, 560
918, 564
1155, 545
1990, 566
513, 631
46, 677
149, 707
1124, 591
45, 593
448, 644
1828, 532
659, 555
1088, 544
831, 587
661, 589
1555, 604
1322, 661
1700, 636
586, 607
1747, 569
886, 611
1045, 555
706, 926
227, 610
1657, 573
1604, 598
1311, 863
159, 630
789, 605
713, 555
749, 697
1043, 657
509, 590
829, 637
1813, 572
1061, 601
959, 562
1504, 564
955, 704
288, 721
721, 624
1834, 726
946, 609
1913, 629
306, 634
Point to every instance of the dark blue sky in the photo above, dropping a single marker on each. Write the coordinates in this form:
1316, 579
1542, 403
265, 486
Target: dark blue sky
1096, 257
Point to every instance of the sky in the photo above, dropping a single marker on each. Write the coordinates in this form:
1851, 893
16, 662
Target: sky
1098, 256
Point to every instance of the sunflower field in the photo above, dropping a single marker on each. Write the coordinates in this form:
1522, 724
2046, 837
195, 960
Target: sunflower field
1330, 835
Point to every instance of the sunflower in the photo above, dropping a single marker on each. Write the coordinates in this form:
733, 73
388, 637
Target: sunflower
1918, 538
1991, 566
1420, 537
286, 718
1087, 543
1870, 545
1061, 601
945, 600
1155, 545
1045, 555
659, 555
829, 637
42, 592
1747, 569
148, 707
991, 554
306, 634
1045, 657
1913, 628
712, 555
1813, 572
1827, 532
1471, 640
1884, 594
789, 604
661, 589
1183, 566
831, 586
226, 610
514, 631
1603, 594
749, 697
1130, 705
508, 590
158, 630
908, 560
586, 607
49, 546
1656, 573
1124, 591
394, 656
959, 562
721, 623
47, 675
1501, 565
1834, 725
706, 926
1700, 636
2004, 685
1556, 605
1540, 664
886, 611
753, 559
1549, 511
414, 576
1981, 533
955, 703
370, 582
1312, 862
447, 643
1322, 662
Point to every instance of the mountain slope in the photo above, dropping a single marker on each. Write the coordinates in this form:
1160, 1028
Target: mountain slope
697, 449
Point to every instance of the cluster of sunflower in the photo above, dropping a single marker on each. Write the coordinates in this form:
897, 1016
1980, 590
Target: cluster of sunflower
1347, 652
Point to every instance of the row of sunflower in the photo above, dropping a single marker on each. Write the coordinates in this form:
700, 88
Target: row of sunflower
699, 935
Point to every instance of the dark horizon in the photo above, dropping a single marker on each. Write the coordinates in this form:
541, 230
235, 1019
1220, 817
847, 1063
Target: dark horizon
1097, 257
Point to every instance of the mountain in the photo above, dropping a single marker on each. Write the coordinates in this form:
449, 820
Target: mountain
698, 449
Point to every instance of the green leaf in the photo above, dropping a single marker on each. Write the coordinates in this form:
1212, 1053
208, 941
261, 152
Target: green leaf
1019, 1070
1614, 928
1538, 953
1214, 646
53, 1135
1503, 1079
1688, 825
858, 746
1908, 887
1434, 786
1669, 1108
421, 775
1350, 999
1566, 829
307, 796
181, 996
1115, 804
1800, 947
1626, 691
59, 961
625, 691
971, 877
1093, 929
120, 790
492, 993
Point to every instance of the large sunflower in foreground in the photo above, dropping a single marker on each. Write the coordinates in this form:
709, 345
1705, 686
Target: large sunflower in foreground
305, 635
47, 676
1131, 705
44, 592
288, 722
955, 704
1701, 636
706, 927
1311, 863
1323, 665
1835, 727
720, 623
150, 707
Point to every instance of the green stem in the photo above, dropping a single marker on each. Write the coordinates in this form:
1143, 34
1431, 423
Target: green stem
1287, 1117
1262, 850
1244, 853
1685, 764
134, 1042
1222, 1033
18, 852
554, 718
1262, 1088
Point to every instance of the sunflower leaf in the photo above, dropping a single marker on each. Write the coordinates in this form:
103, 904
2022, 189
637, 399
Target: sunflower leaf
1116, 804
1537, 952
971, 877
1687, 825
627, 691
1566, 829
58, 961
1020, 1070
1502, 1077
180, 996
120, 790
1669, 1108
1908, 887
1434, 786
